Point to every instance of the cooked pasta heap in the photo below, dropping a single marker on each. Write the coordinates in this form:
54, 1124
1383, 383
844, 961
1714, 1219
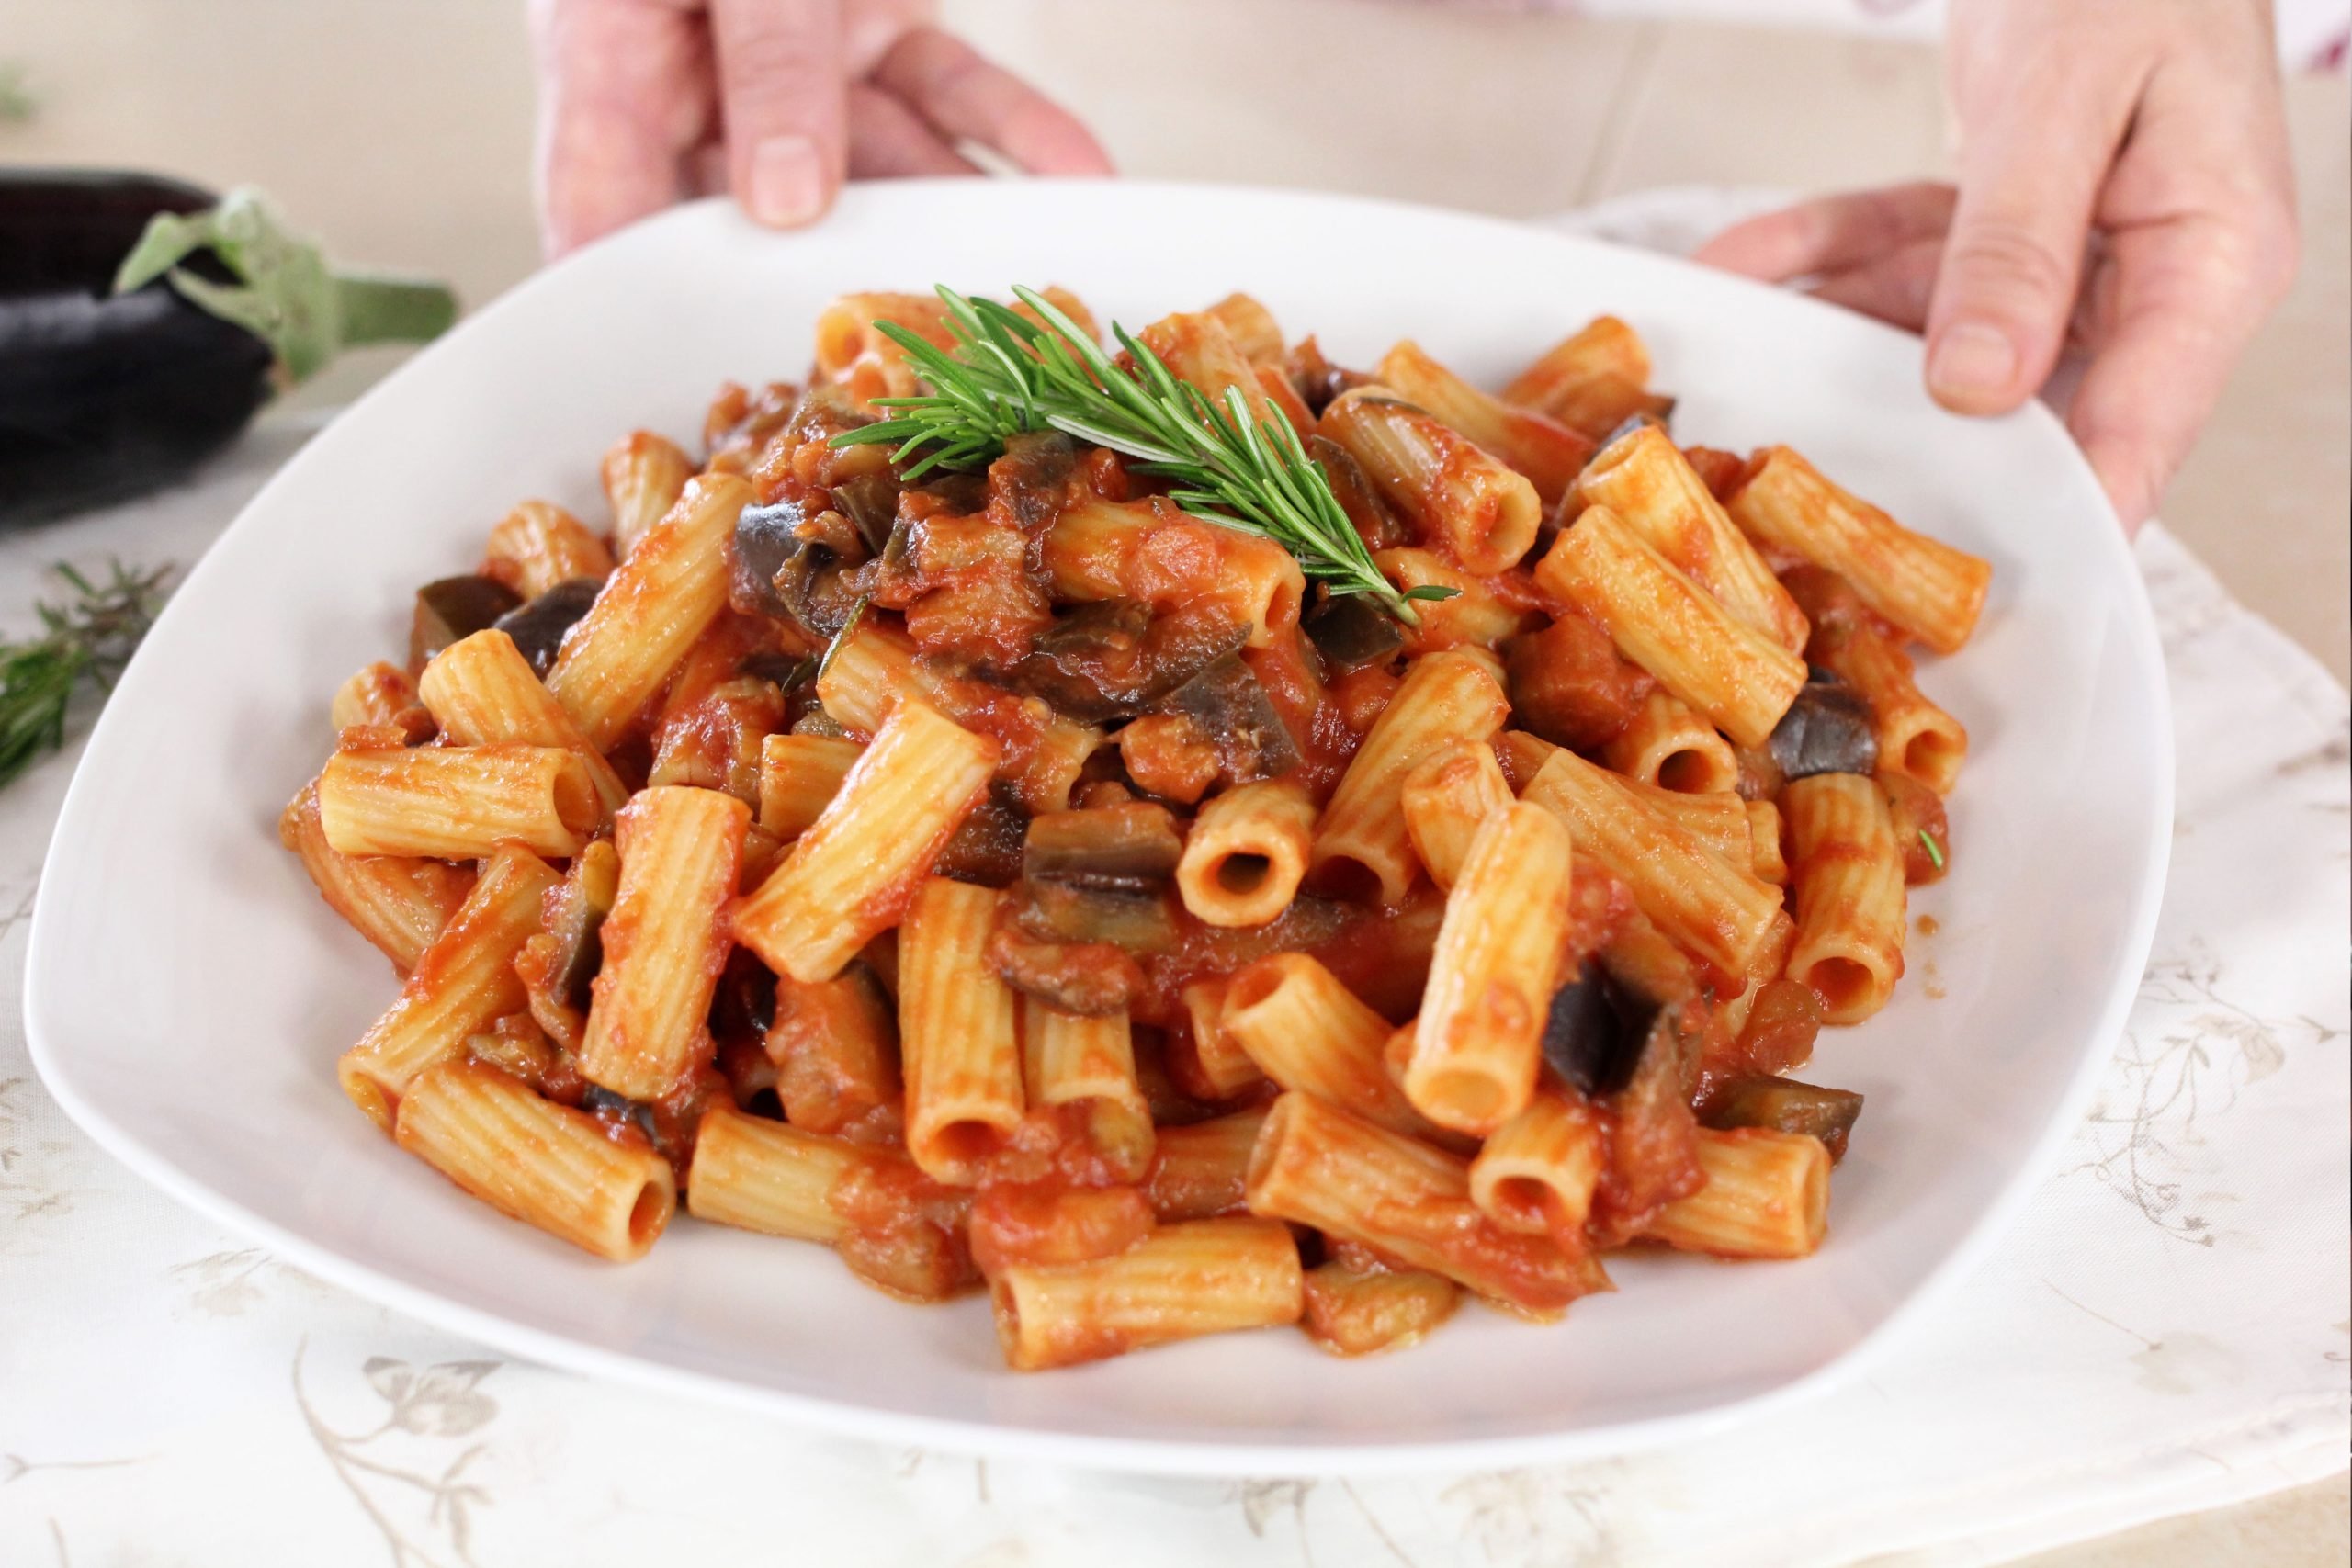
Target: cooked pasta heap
1005, 874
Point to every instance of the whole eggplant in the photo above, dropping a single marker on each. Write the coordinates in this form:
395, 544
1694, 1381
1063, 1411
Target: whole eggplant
143, 322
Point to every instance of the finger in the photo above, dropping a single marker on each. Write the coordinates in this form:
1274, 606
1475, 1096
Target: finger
2031, 172
619, 97
2181, 309
781, 90
965, 97
1831, 233
888, 141
705, 169
870, 26
1896, 287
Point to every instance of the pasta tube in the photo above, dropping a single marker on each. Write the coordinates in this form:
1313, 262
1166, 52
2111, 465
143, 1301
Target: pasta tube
546, 1164
852, 872
1537, 1172
957, 1034
463, 984
1644, 479
663, 942
1447, 798
401, 905
1307, 1032
644, 474
1767, 1195
1246, 852
482, 692
1317, 1165
1847, 871
1538, 446
1199, 1169
1668, 745
1182, 1281
1090, 1064
1708, 906
1670, 626
799, 775
538, 545
1475, 1048
652, 610
1445, 697
457, 802
1482, 512
1931, 590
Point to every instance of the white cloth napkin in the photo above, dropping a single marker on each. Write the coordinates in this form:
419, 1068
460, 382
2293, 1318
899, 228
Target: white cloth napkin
2165, 1329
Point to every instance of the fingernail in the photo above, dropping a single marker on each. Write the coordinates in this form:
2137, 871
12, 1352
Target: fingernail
787, 181
1971, 359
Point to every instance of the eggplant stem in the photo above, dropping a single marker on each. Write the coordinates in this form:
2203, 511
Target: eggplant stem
375, 307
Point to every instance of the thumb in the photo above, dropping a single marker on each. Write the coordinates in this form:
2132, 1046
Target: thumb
2030, 180
785, 104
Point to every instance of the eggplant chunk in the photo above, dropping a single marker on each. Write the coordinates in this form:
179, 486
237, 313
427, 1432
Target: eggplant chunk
1348, 629
1131, 848
576, 921
775, 571
539, 627
1786, 1106
1368, 510
1595, 1030
1828, 729
1091, 979
1069, 912
985, 848
1114, 658
1229, 705
1034, 479
870, 502
455, 608
765, 538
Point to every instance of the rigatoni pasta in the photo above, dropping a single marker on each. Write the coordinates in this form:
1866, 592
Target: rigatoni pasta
546, 1164
1669, 625
457, 802
851, 875
663, 944
1926, 587
1029, 872
1847, 873
1484, 512
651, 610
959, 1036
463, 982
1475, 1048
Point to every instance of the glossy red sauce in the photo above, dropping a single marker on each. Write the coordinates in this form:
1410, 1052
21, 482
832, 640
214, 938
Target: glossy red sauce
1052, 1223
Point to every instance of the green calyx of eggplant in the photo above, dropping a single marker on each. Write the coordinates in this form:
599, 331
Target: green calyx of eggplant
286, 294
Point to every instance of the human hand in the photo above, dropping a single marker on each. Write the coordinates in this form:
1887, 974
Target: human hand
646, 102
2124, 190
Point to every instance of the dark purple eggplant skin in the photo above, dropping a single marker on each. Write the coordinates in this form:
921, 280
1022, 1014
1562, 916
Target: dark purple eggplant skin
105, 398
539, 627
68, 230
1594, 1032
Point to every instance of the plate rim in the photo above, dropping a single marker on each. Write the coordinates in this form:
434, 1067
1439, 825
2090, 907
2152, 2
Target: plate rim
1323, 1456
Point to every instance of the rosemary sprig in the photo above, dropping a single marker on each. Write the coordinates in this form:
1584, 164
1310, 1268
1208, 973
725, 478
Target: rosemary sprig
1232, 466
92, 634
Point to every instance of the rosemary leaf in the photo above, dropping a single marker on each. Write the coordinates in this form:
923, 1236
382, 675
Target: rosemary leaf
92, 634
1230, 463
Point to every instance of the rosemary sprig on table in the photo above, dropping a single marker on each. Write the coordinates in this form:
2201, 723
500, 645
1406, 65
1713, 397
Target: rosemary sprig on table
93, 635
1007, 376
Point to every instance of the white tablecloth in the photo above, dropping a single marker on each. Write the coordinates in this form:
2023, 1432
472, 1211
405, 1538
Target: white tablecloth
2165, 1330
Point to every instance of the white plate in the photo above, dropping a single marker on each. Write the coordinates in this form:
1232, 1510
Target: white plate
187, 992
